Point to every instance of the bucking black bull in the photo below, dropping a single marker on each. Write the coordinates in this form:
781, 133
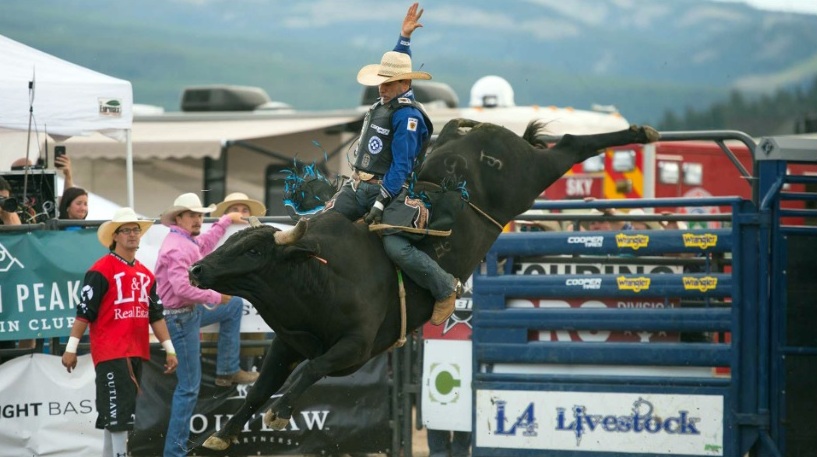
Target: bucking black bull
330, 293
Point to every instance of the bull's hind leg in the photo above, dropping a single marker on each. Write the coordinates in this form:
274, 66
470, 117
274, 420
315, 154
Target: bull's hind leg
572, 149
589, 144
278, 365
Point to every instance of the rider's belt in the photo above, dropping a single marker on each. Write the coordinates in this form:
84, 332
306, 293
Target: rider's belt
181, 310
367, 177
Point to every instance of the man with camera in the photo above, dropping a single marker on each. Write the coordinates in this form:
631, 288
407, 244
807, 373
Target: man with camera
8, 205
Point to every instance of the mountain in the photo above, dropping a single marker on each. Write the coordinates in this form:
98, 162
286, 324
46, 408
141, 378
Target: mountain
643, 56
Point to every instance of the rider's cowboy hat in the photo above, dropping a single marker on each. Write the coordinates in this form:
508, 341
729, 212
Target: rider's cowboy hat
121, 217
394, 66
184, 202
239, 198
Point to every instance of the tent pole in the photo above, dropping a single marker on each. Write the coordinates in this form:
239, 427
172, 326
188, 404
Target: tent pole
129, 167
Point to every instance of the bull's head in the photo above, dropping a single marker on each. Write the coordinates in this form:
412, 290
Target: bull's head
248, 258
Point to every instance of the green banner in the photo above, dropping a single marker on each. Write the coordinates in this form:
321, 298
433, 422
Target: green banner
41, 275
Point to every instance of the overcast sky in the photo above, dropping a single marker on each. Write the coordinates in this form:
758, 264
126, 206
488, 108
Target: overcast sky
797, 6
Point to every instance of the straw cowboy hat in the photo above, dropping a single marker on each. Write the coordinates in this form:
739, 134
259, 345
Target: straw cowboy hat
121, 217
394, 66
239, 198
184, 202
652, 225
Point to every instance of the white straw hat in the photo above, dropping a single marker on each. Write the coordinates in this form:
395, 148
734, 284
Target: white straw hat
184, 202
121, 217
239, 198
394, 66
651, 225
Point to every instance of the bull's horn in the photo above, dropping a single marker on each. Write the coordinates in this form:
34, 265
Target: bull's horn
254, 222
292, 235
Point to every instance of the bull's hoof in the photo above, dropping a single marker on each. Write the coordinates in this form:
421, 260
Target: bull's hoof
215, 443
651, 134
274, 422
645, 134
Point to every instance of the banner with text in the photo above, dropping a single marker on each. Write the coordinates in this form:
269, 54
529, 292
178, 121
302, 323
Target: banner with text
41, 274
347, 414
46, 410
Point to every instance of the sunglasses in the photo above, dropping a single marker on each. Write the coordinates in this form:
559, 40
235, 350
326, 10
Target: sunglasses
128, 231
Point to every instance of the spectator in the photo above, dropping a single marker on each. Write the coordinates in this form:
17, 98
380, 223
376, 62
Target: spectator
188, 308
673, 224
119, 318
239, 202
598, 224
643, 225
8, 216
73, 206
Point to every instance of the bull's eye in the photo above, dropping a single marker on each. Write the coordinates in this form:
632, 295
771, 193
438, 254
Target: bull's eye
253, 253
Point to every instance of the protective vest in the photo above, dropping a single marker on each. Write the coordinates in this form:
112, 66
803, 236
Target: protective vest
374, 154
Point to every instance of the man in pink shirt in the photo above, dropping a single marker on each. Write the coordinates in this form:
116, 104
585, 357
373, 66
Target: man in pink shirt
188, 308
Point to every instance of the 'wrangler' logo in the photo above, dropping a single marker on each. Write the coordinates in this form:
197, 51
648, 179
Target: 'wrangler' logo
634, 284
632, 241
703, 241
700, 284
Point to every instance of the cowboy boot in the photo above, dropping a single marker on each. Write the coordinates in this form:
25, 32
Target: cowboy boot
443, 309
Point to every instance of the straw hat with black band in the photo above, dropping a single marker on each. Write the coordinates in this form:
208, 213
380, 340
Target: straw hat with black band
393, 66
184, 202
239, 198
122, 216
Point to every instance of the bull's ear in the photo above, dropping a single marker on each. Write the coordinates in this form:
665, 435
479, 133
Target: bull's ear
298, 253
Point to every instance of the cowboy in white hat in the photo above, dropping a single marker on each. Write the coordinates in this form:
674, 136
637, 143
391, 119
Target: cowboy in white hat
118, 303
125, 221
188, 308
239, 202
395, 133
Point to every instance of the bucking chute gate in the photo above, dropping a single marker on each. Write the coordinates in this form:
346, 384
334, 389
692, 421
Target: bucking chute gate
716, 355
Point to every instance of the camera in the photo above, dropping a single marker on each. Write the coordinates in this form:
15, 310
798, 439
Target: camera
8, 204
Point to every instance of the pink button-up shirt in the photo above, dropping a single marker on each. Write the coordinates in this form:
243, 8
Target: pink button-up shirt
178, 252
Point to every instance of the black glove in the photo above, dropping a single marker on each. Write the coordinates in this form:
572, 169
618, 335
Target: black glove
375, 214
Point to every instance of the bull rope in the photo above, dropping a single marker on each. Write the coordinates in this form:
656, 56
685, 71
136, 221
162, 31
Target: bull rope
378, 227
402, 293
476, 208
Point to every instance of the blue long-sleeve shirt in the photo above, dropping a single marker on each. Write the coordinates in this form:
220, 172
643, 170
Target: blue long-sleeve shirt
410, 130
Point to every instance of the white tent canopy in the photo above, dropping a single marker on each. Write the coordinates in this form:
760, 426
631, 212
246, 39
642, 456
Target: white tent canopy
41, 93
68, 99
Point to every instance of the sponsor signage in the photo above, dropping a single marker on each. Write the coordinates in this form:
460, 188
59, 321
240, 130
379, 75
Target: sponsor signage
446, 386
446, 390
46, 410
597, 336
532, 268
41, 275
348, 414
600, 421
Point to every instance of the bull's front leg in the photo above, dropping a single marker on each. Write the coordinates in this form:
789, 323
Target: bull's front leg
278, 365
348, 352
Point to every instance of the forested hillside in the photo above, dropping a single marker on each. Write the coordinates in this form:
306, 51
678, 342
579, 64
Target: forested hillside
781, 113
